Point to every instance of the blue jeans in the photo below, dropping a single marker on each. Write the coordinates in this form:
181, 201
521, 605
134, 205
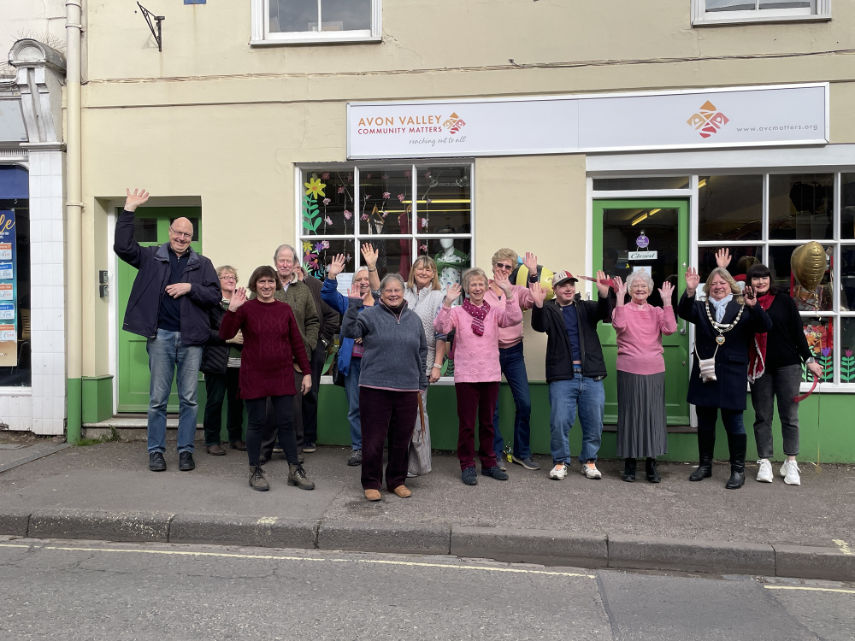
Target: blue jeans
351, 389
165, 353
588, 397
513, 367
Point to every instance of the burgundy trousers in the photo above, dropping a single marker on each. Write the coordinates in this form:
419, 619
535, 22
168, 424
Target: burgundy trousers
476, 401
386, 415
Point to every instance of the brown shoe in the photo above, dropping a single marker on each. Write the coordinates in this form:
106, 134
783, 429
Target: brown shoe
403, 491
372, 495
216, 450
238, 445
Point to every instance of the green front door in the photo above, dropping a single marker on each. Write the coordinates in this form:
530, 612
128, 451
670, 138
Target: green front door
151, 228
651, 235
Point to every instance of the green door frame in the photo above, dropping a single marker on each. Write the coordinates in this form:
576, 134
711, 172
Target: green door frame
676, 346
134, 378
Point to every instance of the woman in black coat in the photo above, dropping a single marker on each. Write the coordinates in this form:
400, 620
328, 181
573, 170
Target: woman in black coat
725, 324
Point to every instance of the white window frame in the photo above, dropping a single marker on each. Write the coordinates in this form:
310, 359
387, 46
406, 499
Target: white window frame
702, 17
262, 36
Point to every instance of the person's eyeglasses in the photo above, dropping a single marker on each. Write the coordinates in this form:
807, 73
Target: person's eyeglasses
228, 277
181, 234
504, 266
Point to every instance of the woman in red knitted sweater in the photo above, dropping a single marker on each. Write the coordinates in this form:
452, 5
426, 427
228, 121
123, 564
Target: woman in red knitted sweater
271, 342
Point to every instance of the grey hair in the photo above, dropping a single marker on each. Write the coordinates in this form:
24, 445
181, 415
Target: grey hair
469, 274
390, 277
643, 275
280, 248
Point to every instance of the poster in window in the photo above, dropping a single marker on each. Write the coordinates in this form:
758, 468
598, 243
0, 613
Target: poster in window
8, 297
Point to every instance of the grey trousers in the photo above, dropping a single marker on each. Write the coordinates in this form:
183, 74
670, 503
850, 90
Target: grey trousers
781, 383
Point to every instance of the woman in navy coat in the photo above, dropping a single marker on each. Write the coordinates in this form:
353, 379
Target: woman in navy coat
725, 324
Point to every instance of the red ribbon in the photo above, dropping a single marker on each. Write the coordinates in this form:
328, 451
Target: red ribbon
608, 281
801, 397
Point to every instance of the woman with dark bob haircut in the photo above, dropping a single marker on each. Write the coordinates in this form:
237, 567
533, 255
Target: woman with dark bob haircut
271, 342
776, 372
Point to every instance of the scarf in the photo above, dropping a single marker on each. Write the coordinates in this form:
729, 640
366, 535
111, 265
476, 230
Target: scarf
719, 306
478, 315
757, 349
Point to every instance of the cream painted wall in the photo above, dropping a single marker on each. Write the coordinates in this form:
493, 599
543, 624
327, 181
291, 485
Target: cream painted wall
514, 198
42, 20
445, 48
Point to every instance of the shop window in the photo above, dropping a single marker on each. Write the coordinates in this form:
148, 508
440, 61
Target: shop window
800, 213
706, 12
315, 21
730, 208
15, 330
404, 211
801, 206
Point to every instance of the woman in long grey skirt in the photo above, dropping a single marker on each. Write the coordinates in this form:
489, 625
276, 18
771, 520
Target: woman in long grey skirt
641, 372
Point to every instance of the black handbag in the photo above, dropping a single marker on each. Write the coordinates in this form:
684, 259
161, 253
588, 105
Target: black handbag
337, 376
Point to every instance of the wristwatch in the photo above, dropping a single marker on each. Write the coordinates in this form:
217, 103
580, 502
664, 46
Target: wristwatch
810, 361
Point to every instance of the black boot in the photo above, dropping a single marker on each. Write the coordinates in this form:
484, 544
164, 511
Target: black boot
650, 468
706, 445
736, 443
629, 470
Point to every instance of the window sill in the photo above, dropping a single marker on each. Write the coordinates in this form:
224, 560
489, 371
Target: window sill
296, 41
733, 21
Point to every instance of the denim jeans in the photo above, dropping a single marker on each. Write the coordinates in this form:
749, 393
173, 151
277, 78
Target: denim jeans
351, 389
582, 395
781, 383
512, 361
165, 354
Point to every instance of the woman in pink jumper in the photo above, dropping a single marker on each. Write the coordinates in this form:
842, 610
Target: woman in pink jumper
641, 372
476, 365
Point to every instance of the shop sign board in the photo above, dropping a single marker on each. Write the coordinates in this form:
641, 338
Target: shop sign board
714, 118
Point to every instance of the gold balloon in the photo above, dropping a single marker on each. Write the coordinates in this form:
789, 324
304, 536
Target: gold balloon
545, 279
808, 264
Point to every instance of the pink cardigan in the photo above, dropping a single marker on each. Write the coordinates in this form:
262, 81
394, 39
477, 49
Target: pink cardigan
639, 337
512, 334
476, 358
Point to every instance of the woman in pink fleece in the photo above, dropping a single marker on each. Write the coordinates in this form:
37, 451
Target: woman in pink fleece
476, 365
641, 372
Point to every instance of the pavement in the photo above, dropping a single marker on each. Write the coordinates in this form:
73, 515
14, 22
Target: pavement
106, 492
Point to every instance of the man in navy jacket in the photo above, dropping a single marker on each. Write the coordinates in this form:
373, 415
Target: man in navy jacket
169, 302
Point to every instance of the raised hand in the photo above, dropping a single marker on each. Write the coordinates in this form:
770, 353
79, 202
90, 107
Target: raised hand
530, 262
354, 291
504, 284
602, 283
369, 254
749, 295
135, 198
452, 294
620, 290
336, 266
665, 292
693, 279
538, 294
238, 299
722, 258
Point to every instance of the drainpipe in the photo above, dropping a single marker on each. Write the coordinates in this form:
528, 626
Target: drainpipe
73, 213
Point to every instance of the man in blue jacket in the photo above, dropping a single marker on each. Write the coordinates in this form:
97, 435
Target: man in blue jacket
169, 302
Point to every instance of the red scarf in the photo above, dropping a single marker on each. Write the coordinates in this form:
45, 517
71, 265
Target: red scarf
478, 315
757, 350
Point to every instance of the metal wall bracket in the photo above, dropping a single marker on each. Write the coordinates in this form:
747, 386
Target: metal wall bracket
156, 32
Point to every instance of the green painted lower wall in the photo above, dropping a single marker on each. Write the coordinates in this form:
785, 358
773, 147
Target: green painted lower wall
825, 420
97, 398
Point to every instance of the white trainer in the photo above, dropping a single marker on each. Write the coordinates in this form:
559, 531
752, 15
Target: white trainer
790, 472
590, 470
558, 472
764, 474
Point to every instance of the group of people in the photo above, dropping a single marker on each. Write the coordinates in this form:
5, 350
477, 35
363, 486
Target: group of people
264, 350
